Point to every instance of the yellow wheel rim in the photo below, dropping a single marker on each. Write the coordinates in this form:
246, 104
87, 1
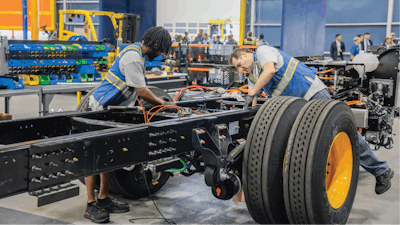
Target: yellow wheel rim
339, 168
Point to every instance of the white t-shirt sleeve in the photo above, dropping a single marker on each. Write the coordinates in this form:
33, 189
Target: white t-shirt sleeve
132, 67
269, 54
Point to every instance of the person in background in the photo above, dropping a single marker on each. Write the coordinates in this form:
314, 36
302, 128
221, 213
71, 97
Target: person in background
199, 38
392, 37
218, 42
178, 40
354, 49
214, 38
206, 40
337, 48
261, 41
360, 46
248, 40
186, 39
366, 42
387, 42
231, 41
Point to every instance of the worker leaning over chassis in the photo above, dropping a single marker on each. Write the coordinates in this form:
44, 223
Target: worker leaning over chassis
276, 73
125, 77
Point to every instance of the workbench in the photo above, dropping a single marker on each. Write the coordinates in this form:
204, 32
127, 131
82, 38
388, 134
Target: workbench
46, 92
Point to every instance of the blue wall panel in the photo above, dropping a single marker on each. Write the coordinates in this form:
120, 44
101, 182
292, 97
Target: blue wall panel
348, 33
145, 8
356, 11
396, 14
268, 11
271, 34
303, 27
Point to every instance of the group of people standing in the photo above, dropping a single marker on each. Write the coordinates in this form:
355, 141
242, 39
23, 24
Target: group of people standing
360, 43
203, 38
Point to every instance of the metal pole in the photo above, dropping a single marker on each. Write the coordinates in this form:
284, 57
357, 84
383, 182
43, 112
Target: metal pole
25, 19
65, 8
389, 18
252, 15
242, 21
35, 21
335, 82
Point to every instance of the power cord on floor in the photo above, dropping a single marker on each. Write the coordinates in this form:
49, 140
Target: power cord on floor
169, 221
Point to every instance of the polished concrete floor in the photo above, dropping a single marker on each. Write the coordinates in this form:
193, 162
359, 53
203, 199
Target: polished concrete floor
185, 200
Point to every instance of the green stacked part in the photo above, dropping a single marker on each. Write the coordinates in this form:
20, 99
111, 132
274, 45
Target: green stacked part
84, 77
44, 79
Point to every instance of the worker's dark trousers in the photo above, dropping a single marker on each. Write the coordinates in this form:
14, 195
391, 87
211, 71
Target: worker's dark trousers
368, 159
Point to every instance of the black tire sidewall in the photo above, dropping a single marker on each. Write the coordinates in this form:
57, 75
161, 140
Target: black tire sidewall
337, 119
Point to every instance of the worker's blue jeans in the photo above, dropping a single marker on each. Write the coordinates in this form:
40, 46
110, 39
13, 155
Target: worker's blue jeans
368, 159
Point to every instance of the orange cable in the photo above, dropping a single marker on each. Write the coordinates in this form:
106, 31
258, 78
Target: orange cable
325, 71
144, 112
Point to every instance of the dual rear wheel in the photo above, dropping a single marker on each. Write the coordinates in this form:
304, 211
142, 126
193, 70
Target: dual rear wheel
301, 162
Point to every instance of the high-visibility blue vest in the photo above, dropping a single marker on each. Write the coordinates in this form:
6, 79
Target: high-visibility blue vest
113, 90
288, 80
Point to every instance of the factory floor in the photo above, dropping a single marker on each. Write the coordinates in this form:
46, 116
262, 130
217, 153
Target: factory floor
185, 200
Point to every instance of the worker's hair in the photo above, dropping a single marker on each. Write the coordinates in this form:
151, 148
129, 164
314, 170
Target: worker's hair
366, 33
205, 34
261, 36
360, 35
249, 34
158, 39
237, 52
230, 36
338, 35
385, 39
355, 39
392, 34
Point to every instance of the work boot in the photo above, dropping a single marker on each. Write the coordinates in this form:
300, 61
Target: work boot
95, 214
112, 206
383, 182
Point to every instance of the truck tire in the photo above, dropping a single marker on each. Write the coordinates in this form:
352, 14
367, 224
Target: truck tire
264, 157
321, 164
119, 185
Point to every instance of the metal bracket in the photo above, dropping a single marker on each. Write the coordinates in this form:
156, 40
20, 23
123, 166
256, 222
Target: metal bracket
3, 55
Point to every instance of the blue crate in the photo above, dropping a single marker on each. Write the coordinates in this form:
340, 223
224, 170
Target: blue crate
9, 83
85, 69
97, 54
62, 78
53, 79
97, 76
76, 78
14, 47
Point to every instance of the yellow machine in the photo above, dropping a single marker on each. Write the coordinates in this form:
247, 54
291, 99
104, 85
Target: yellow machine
219, 24
126, 25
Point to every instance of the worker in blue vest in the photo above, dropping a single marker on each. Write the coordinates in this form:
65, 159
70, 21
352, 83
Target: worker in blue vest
123, 79
278, 74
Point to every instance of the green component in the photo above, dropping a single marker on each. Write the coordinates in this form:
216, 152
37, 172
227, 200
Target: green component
69, 80
84, 77
90, 77
105, 61
102, 47
49, 47
180, 170
95, 61
44, 79
64, 47
78, 61
84, 61
97, 47
75, 47
69, 47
